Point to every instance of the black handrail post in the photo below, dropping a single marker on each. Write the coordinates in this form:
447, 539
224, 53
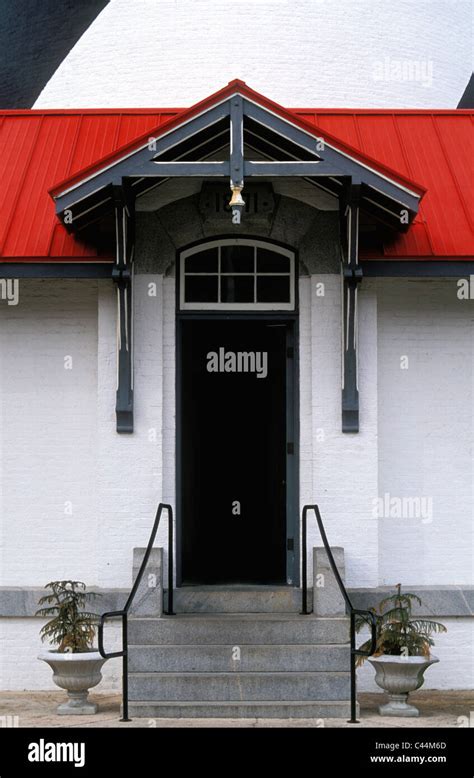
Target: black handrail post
353, 718
125, 669
124, 612
304, 564
170, 561
352, 611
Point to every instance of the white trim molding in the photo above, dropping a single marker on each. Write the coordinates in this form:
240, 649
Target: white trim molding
255, 274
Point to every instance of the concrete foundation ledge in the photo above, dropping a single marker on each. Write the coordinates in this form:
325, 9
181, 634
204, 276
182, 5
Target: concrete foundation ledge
441, 601
436, 600
22, 601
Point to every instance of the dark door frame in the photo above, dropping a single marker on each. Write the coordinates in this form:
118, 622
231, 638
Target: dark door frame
292, 416
292, 427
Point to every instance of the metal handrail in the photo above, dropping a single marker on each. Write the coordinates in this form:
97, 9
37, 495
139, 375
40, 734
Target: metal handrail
124, 612
369, 615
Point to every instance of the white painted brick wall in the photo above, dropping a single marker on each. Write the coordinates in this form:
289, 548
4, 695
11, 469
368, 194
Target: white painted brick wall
129, 471
305, 53
48, 428
58, 434
426, 430
344, 466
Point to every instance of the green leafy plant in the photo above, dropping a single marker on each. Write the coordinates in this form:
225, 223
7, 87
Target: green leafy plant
398, 633
72, 628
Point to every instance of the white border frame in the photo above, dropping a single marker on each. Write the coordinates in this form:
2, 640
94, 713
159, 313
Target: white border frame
184, 306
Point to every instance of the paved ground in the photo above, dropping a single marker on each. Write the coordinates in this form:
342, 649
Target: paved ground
37, 709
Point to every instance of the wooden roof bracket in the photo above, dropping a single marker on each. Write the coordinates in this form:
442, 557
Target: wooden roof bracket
351, 278
122, 275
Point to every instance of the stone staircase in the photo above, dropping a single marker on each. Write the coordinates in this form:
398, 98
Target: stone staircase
240, 652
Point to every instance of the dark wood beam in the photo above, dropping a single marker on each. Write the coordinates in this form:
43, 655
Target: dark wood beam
412, 268
352, 276
236, 141
293, 168
182, 170
53, 269
122, 275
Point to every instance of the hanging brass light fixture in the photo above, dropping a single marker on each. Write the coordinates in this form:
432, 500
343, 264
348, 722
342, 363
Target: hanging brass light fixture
236, 203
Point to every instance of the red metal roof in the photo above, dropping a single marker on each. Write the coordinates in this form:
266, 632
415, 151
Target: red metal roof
40, 148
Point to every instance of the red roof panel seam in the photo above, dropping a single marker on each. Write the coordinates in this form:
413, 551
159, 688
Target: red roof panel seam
11, 139
446, 231
74, 143
59, 161
20, 186
72, 151
56, 224
410, 172
117, 131
30, 222
452, 171
359, 137
402, 145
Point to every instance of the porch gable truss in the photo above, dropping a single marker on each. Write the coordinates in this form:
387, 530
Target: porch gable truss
236, 122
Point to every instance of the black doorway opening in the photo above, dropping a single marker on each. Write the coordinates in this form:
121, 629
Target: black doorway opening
233, 451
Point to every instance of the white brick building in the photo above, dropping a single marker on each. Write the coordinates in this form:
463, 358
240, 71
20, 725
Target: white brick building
133, 275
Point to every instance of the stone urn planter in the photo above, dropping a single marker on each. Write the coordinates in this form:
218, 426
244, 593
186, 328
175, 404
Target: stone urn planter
76, 664
398, 676
76, 673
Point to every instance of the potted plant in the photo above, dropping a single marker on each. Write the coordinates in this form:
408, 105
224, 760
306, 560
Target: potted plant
75, 663
403, 651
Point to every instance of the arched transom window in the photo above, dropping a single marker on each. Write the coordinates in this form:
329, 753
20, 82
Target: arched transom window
237, 274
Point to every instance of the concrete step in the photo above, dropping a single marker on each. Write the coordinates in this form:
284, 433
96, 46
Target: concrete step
239, 710
239, 599
228, 687
238, 629
253, 658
